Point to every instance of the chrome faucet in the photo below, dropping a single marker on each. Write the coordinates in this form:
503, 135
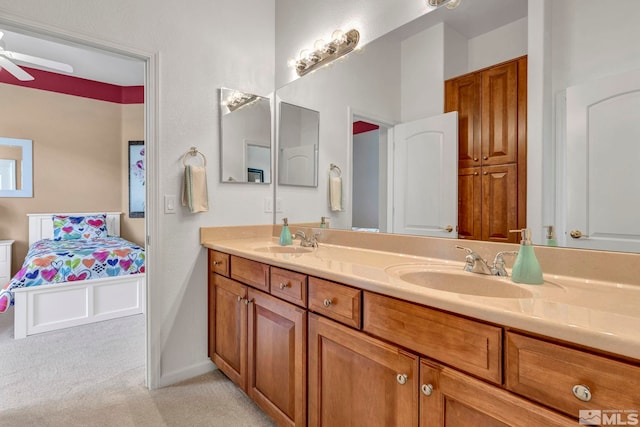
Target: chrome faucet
307, 242
476, 264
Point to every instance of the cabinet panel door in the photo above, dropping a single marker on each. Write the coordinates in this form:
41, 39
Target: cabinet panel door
353, 379
457, 400
277, 358
500, 203
469, 203
463, 95
500, 114
228, 333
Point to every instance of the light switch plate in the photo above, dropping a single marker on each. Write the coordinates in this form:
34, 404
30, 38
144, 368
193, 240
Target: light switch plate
169, 204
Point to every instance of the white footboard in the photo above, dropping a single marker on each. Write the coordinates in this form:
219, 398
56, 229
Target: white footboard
50, 307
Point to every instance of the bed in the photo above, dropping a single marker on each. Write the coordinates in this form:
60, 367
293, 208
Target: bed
77, 300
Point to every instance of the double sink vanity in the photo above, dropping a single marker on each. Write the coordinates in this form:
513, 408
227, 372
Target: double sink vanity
345, 334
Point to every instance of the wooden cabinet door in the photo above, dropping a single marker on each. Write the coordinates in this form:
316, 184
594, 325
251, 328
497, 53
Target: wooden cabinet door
451, 399
228, 328
463, 95
356, 380
500, 203
469, 203
500, 114
277, 358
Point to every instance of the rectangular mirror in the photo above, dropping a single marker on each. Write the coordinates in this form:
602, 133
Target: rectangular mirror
298, 140
16, 167
245, 142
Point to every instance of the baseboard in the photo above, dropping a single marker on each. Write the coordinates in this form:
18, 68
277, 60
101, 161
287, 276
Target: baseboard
186, 373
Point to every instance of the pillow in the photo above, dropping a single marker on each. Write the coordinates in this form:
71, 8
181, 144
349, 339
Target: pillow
79, 227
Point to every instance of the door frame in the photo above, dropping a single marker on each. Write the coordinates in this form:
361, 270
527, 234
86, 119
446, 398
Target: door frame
152, 231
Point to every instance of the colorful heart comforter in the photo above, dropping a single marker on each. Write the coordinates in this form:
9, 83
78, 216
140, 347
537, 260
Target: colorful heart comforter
50, 261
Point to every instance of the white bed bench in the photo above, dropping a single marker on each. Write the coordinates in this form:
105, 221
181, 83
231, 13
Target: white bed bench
50, 307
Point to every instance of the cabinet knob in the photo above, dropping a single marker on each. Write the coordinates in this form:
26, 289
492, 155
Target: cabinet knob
248, 301
327, 302
240, 298
582, 392
485, 173
284, 285
216, 263
475, 159
485, 157
476, 174
402, 378
427, 389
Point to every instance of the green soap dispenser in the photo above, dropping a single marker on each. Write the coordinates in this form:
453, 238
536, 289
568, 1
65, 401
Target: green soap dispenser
323, 222
526, 269
551, 236
285, 234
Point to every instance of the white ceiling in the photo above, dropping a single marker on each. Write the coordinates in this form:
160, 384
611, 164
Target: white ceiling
87, 62
471, 18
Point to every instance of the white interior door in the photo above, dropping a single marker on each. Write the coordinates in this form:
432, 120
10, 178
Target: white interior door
298, 165
603, 163
425, 189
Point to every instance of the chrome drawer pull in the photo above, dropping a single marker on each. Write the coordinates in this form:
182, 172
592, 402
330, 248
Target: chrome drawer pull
402, 378
582, 392
427, 389
327, 302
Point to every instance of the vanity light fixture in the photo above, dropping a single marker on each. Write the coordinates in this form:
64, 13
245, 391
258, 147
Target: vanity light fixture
450, 4
238, 100
341, 44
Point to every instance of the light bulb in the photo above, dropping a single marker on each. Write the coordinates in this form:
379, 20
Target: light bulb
337, 35
319, 44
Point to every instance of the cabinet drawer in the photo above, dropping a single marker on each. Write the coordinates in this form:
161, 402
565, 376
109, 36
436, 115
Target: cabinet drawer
249, 272
547, 373
289, 286
219, 262
338, 302
467, 345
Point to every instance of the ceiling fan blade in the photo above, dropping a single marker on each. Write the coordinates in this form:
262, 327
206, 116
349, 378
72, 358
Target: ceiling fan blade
12, 68
55, 65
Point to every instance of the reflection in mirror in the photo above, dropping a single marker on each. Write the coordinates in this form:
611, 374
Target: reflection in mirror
245, 143
16, 170
298, 140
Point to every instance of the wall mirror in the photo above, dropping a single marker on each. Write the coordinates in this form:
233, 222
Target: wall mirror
380, 92
16, 167
298, 139
245, 142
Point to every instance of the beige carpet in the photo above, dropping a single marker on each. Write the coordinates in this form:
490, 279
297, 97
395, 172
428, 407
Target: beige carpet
93, 375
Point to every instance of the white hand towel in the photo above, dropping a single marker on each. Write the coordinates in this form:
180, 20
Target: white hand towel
335, 193
194, 189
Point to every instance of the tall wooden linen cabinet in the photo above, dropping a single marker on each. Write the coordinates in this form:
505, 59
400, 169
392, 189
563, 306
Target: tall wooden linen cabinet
492, 150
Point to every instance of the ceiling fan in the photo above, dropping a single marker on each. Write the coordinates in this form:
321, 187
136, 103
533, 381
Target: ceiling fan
19, 73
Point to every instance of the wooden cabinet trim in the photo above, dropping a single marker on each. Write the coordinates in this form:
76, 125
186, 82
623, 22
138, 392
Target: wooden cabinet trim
249, 272
289, 286
468, 345
546, 372
345, 302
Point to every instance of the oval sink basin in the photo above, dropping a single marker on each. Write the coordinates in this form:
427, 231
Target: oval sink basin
454, 279
284, 249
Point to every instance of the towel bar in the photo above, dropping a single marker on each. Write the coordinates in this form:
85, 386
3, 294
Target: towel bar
335, 167
194, 152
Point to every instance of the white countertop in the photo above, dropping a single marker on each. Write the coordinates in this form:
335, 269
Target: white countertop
597, 314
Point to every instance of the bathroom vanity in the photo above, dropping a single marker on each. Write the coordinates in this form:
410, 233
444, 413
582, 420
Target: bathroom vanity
342, 335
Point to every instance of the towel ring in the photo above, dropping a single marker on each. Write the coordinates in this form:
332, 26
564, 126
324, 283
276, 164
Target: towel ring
194, 152
336, 168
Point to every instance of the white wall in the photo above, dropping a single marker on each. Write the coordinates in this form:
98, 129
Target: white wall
196, 56
499, 45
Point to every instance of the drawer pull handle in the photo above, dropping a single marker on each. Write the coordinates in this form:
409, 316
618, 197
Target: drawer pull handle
402, 378
327, 302
427, 389
248, 301
216, 263
240, 298
582, 392
284, 286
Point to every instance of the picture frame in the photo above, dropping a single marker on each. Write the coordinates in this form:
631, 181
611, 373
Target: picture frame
136, 179
255, 175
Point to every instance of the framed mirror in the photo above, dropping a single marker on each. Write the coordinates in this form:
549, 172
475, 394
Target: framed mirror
298, 145
245, 141
16, 167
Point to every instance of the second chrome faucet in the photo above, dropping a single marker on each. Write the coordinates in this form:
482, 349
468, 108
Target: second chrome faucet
474, 263
307, 242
